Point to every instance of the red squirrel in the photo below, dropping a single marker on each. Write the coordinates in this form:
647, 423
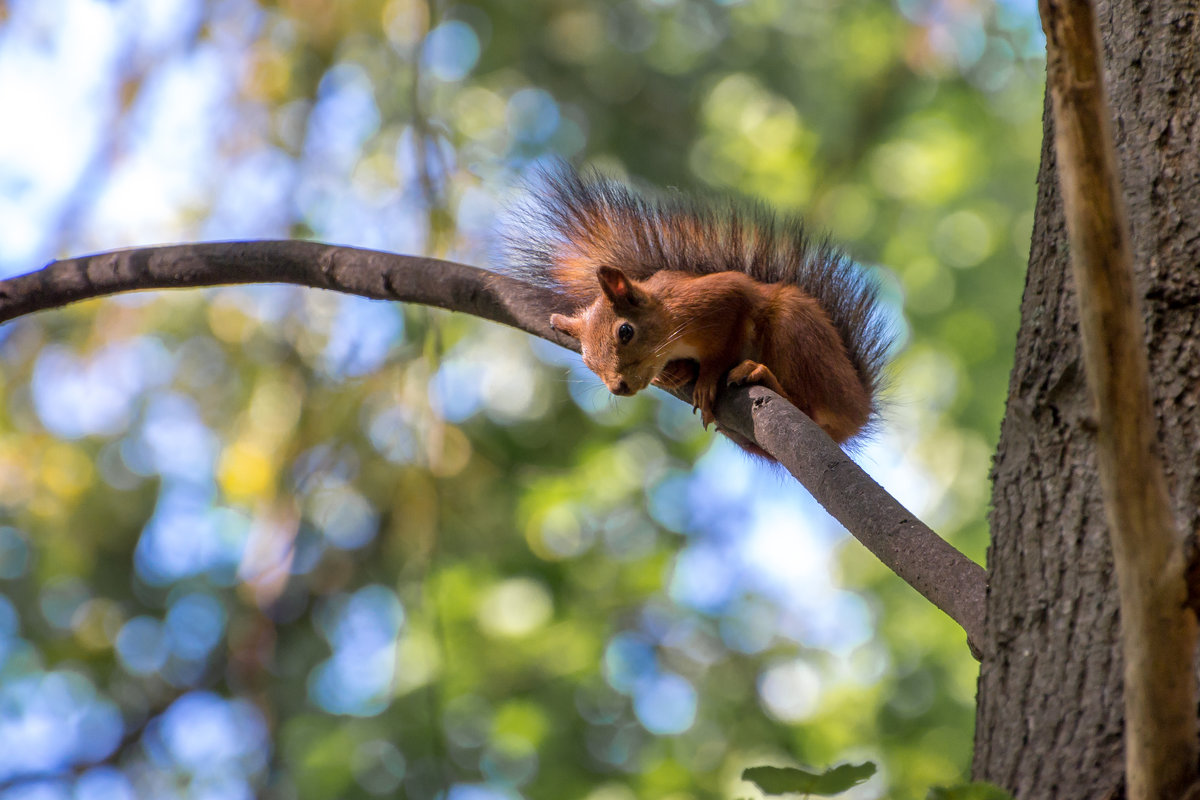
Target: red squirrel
671, 289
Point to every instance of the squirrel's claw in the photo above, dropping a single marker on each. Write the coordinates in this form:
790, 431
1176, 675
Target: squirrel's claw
703, 397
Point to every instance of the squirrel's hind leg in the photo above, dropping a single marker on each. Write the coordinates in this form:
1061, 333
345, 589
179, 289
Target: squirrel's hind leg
758, 374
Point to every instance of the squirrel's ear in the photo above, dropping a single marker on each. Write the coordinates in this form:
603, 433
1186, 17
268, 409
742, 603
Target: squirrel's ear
571, 326
618, 287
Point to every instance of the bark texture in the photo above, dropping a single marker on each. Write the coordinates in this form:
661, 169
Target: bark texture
1158, 630
1050, 717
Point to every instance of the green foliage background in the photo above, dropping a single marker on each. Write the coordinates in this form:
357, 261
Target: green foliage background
515, 561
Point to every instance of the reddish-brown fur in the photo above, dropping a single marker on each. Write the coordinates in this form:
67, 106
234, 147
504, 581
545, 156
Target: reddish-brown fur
736, 329
711, 292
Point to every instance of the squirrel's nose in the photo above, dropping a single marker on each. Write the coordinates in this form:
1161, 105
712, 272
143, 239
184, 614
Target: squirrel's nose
621, 388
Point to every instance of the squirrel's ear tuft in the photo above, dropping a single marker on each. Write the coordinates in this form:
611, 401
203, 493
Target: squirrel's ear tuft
571, 326
618, 287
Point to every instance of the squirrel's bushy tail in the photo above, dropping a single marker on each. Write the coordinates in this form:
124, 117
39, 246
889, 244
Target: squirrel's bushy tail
572, 223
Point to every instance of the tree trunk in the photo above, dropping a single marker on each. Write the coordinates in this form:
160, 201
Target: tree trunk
1050, 708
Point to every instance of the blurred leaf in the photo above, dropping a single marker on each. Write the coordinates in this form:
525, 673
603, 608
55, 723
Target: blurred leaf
792, 780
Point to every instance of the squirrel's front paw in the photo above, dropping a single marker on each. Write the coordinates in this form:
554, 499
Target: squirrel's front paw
703, 397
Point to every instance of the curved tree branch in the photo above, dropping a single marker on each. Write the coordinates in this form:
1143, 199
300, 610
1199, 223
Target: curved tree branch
943, 575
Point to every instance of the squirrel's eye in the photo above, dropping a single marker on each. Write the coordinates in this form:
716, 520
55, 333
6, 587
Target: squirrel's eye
625, 333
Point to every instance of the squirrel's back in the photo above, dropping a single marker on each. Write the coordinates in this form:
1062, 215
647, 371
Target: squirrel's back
572, 224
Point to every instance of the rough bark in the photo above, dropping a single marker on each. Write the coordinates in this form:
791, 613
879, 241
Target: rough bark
1050, 716
943, 575
1158, 630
